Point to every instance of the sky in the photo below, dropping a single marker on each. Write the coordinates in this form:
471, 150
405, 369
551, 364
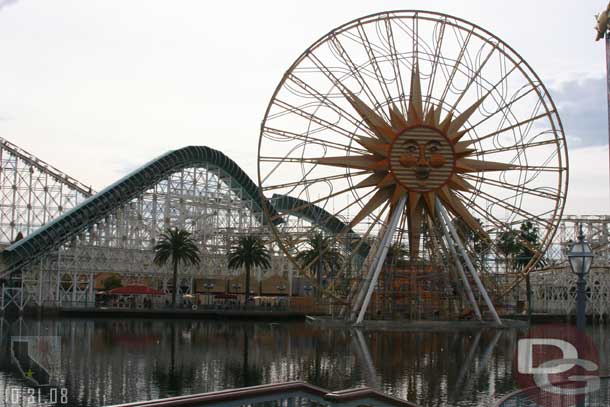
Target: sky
97, 88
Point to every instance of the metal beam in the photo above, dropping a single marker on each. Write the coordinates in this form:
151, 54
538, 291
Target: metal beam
451, 244
380, 257
475, 276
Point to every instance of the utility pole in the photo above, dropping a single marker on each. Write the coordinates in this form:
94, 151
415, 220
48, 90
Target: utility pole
602, 32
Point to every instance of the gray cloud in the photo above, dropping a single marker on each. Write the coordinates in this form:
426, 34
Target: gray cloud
582, 106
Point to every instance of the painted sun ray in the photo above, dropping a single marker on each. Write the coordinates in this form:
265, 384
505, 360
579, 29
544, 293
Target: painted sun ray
459, 121
444, 125
399, 123
375, 122
437, 115
462, 150
414, 221
363, 162
431, 117
460, 183
458, 136
387, 181
399, 191
466, 165
372, 180
376, 200
455, 205
413, 200
374, 146
430, 200
463, 145
415, 113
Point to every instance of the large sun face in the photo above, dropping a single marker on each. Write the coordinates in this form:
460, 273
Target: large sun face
417, 154
421, 159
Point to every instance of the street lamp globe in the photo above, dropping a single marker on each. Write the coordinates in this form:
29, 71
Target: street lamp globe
580, 256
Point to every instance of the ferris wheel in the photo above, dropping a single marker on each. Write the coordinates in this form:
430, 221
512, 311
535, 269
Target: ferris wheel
407, 128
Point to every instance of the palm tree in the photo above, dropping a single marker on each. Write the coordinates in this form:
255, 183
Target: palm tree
517, 246
321, 254
179, 246
249, 251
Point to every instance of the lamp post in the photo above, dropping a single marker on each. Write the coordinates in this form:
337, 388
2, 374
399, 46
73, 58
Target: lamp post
580, 257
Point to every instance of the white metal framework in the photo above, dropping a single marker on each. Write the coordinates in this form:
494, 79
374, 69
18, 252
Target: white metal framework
196, 199
554, 287
208, 196
32, 192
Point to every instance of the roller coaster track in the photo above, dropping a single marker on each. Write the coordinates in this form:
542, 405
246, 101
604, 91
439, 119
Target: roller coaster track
32, 192
58, 231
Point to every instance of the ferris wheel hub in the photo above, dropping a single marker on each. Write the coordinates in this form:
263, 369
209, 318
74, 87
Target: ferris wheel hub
422, 159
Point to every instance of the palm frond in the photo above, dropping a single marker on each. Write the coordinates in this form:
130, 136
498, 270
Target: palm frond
248, 251
178, 246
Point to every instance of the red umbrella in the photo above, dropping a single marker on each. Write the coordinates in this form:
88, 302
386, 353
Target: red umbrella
136, 290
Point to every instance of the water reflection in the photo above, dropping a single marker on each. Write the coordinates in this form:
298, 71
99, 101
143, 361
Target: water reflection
108, 361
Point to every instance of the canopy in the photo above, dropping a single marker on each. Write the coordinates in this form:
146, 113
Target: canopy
135, 290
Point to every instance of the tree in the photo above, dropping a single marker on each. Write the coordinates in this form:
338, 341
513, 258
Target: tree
177, 246
528, 233
249, 251
509, 246
518, 246
321, 254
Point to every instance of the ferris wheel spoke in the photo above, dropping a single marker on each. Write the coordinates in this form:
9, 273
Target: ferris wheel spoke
515, 147
355, 71
456, 65
481, 213
300, 208
381, 196
324, 99
435, 64
328, 73
546, 194
311, 181
536, 168
309, 116
504, 107
504, 204
364, 41
473, 78
395, 64
288, 135
512, 127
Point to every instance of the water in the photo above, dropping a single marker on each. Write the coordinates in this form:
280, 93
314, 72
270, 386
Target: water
97, 362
